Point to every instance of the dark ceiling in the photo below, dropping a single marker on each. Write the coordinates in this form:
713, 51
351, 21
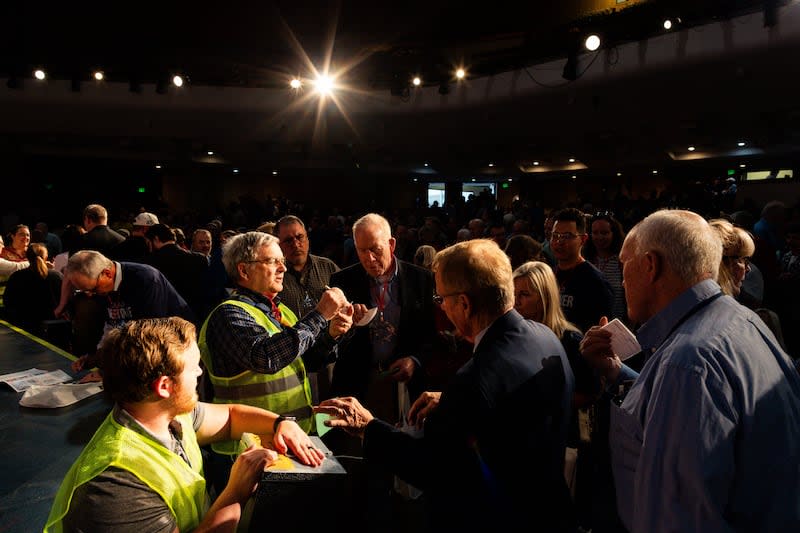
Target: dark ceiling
634, 118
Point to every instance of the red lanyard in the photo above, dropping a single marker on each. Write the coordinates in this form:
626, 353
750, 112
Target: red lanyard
381, 298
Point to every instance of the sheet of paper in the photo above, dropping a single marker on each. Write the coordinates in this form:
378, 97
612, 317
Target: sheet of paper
623, 341
20, 381
288, 464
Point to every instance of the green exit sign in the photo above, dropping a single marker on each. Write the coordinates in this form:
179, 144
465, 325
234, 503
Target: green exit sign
142, 189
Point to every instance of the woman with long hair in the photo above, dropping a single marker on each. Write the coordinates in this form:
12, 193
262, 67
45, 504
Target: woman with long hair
32, 294
602, 250
737, 249
537, 298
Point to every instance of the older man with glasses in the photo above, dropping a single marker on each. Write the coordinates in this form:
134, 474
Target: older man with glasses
254, 347
128, 291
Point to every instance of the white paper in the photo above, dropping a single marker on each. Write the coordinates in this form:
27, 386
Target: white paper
623, 342
368, 316
20, 381
52, 396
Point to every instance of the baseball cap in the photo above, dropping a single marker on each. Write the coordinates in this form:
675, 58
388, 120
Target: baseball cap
145, 219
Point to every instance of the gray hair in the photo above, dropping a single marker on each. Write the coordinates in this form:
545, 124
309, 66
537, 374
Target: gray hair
689, 247
88, 263
373, 219
244, 247
286, 221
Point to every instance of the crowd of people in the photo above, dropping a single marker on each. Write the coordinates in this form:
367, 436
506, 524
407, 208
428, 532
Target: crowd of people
485, 331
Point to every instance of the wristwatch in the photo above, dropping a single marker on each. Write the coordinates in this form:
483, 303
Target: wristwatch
280, 419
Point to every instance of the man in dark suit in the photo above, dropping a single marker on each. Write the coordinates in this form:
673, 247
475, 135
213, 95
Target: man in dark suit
492, 453
98, 237
187, 271
395, 344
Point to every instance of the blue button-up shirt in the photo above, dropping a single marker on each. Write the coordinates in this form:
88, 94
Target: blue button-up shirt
708, 437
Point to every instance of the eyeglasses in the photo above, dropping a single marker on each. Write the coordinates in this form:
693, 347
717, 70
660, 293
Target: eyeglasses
301, 238
737, 259
269, 261
565, 236
93, 290
438, 299
604, 214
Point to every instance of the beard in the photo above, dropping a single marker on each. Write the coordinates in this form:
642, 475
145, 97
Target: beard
183, 401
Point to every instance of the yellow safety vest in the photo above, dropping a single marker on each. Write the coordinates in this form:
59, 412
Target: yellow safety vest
181, 486
286, 392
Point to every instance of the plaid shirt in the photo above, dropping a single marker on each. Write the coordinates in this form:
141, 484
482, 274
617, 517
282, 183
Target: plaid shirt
237, 343
302, 290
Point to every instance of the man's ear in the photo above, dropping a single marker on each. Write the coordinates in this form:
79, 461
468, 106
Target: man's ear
654, 267
463, 301
162, 386
242, 268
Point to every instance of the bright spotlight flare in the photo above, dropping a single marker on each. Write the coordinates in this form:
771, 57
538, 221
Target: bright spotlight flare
592, 42
324, 84
295, 83
177, 81
39, 74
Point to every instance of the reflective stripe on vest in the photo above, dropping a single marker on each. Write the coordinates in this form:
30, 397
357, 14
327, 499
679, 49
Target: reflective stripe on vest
181, 486
286, 392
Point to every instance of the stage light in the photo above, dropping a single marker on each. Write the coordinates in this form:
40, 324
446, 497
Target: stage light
416, 81
98, 75
210, 152
324, 85
667, 24
177, 81
39, 74
295, 84
460, 73
592, 42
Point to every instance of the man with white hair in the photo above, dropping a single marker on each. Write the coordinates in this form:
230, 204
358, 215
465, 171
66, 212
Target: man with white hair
707, 437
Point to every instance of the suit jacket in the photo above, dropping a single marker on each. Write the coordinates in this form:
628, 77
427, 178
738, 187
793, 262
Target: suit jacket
416, 330
101, 239
187, 271
492, 454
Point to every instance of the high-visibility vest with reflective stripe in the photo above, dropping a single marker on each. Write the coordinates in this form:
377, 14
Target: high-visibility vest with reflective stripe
286, 392
180, 485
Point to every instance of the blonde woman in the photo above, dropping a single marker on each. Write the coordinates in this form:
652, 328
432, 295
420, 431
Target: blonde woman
537, 298
424, 256
737, 249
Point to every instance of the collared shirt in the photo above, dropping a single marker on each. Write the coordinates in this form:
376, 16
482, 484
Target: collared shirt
302, 290
385, 294
237, 343
708, 437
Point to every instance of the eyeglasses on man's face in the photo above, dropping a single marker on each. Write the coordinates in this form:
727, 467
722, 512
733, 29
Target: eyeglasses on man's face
93, 290
270, 261
300, 238
438, 299
568, 236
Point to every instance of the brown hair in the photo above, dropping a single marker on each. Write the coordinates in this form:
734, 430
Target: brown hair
37, 257
139, 352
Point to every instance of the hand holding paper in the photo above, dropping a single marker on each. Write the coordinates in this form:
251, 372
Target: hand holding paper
623, 341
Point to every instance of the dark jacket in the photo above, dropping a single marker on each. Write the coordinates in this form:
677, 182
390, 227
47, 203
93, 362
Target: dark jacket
416, 330
101, 239
492, 454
